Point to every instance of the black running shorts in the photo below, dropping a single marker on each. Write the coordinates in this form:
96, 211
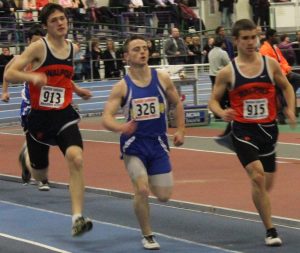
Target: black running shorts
256, 142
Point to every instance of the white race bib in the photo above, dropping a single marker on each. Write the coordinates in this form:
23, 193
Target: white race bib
53, 97
145, 108
256, 109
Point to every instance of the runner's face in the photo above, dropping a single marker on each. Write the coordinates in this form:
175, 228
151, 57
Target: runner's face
138, 53
57, 24
246, 42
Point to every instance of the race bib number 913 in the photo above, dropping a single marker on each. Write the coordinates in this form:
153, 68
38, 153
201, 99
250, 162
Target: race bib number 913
52, 97
256, 109
145, 108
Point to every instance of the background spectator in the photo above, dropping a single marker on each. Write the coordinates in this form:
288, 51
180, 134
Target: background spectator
167, 12
111, 59
261, 13
189, 17
218, 59
41, 3
154, 55
176, 48
207, 47
270, 49
7, 20
226, 7
286, 47
296, 47
95, 54
220, 31
78, 64
260, 36
5, 57
196, 48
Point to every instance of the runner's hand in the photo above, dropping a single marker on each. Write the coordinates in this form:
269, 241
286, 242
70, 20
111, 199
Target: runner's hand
228, 115
129, 127
290, 114
84, 93
178, 138
39, 79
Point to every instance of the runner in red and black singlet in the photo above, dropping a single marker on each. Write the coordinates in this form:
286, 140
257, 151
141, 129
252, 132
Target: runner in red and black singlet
57, 94
52, 119
253, 98
251, 80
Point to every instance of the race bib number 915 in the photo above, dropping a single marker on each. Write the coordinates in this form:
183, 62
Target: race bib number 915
52, 97
256, 109
145, 108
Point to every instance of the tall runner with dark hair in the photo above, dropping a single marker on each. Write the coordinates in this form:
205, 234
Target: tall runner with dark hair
251, 80
52, 119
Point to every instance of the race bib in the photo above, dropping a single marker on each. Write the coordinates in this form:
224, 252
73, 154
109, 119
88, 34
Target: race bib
52, 97
256, 109
145, 108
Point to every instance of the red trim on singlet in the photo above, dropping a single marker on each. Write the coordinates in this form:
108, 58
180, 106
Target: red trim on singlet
255, 90
58, 75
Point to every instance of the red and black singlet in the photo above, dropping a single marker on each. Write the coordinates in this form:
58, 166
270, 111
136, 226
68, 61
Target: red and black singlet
57, 94
253, 98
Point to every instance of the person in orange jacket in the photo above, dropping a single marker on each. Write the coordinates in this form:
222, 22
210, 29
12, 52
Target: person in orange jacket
270, 49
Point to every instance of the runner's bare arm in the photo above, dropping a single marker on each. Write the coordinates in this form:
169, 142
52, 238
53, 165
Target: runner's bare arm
287, 90
81, 92
220, 86
16, 73
174, 99
111, 108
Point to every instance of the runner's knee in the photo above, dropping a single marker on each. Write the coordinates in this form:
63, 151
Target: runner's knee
143, 192
163, 194
258, 179
74, 156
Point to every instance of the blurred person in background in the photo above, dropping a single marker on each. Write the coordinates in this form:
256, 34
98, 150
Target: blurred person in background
154, 55
95, 56
226, 7
5, 57
218, 59
207, 47
270, 48
111, 59
286, 47
196, 48
220, 31
176, 49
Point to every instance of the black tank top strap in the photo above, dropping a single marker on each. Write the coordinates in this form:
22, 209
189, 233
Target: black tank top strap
51, 59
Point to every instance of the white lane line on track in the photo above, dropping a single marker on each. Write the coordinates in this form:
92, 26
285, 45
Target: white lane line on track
187, 136
180, 148
120, 226
34, 243
115, 193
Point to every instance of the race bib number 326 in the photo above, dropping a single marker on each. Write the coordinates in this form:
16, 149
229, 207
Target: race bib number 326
52, 97
256, 109
145, 108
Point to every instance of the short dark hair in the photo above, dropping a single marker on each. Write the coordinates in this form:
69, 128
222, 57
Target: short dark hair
242, 24
270, 33
218, 29
48, 9
131, 38
37, 30
219, 41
